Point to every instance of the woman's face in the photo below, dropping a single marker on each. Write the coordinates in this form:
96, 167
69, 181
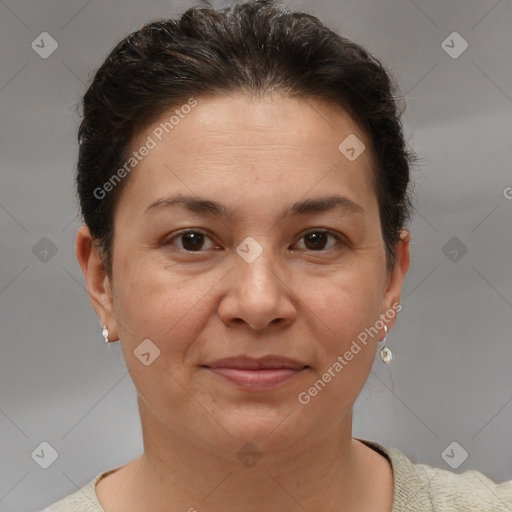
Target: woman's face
254, 277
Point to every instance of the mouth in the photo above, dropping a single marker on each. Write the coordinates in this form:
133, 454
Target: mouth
261, 374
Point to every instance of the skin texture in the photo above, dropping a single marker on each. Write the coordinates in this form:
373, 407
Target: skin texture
298, 300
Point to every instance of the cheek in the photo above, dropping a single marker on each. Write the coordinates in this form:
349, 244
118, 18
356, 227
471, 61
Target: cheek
171, 313
154, 307
347, 302
342, 312
168, 308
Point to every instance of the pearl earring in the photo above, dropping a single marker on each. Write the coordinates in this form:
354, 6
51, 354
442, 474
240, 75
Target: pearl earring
385, 354
104, 333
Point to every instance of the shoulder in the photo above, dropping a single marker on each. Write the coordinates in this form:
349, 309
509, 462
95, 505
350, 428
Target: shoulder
83, 500
420, 487
470, 490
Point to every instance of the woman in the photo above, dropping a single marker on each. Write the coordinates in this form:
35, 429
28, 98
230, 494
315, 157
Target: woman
243, 179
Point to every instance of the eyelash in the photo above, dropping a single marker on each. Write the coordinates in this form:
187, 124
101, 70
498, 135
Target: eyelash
339, 239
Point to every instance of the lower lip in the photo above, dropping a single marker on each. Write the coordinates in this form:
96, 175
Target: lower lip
257, 379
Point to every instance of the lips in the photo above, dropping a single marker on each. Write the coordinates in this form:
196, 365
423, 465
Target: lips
256, 374
262, 363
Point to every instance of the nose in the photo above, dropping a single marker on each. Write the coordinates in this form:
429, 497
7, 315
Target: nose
258, 294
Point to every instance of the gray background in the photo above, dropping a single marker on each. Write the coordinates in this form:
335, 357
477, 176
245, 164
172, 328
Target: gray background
450, 379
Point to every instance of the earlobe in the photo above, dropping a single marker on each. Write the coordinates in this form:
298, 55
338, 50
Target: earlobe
96, 279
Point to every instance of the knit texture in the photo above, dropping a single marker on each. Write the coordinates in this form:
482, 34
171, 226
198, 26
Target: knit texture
417, 488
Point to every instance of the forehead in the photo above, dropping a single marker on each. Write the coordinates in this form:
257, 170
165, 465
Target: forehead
240, 119
250, 147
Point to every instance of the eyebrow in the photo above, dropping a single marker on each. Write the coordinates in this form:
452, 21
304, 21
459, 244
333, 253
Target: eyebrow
309, 206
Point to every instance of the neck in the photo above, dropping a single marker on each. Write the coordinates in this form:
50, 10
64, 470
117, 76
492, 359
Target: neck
334, 472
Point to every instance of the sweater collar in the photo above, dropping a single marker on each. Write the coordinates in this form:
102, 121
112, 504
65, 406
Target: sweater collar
410, 492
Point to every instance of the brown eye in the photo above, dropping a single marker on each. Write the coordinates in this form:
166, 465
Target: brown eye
191, 241
317, 240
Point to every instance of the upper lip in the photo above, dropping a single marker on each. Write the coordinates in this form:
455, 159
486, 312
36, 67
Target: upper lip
250, 363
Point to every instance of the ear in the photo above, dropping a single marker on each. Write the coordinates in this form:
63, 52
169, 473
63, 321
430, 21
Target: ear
96, 280
397, 276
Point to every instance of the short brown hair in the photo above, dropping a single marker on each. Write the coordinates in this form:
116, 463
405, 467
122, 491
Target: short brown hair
256, 47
